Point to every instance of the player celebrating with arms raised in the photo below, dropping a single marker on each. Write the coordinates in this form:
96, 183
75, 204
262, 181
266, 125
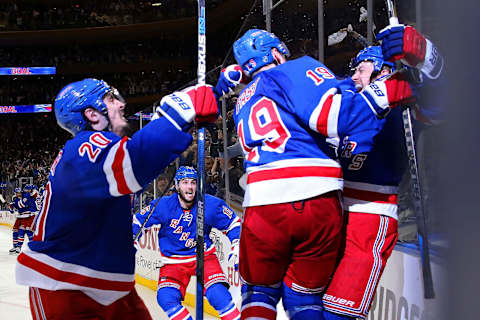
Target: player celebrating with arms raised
177, 215
81, 261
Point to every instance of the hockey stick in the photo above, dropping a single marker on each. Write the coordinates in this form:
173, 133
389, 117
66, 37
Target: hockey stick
201, 67
139, 232
415, 182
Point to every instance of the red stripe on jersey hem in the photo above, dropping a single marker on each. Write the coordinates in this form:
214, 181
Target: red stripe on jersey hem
231, 315
294, 172
117, 168
73, 278
322, 121
259, 312
370, 196
182, 315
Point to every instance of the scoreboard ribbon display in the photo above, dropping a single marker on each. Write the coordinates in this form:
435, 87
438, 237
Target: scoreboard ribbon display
27, 71
26, 108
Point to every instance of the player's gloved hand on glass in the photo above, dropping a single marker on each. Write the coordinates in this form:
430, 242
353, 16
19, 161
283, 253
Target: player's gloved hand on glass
229, 78
405, 43
195, 103
234, 254
388, 92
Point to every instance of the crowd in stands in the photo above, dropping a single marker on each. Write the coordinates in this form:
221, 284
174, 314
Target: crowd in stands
26, 15
43, 89
29, 144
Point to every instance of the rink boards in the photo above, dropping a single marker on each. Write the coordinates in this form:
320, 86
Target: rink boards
399, 295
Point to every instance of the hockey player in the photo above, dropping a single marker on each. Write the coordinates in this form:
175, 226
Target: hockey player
285, 118
177, 215
81, 261
22, 205
13, 210
372, 180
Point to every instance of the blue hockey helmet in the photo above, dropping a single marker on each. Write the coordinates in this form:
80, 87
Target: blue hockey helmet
75, 98
185, 172
17, 190
28, 187
253, 50
372, 54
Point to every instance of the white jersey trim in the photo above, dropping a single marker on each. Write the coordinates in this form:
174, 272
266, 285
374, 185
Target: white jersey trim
371, 187
288, 190
33, 278
361, 206
299, 162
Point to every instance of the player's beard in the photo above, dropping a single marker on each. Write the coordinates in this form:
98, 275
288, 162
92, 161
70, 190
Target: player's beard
184, 199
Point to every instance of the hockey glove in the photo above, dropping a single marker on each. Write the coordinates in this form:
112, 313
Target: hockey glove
408, 45
234, 254
229, 78
181, 108
403, 42
388, 92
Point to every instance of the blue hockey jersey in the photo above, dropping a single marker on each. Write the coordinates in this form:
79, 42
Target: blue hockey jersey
83, 235
372, 179
23, 206
285, 119
178, 230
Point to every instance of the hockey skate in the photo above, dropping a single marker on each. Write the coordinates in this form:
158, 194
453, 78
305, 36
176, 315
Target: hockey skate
17, 250
12, 251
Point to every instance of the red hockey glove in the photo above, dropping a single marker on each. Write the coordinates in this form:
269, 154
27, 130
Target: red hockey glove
204, 102
388, 92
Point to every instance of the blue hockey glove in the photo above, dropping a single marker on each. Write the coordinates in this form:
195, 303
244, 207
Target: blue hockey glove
388, 92
234, 254
229, 78
181, 108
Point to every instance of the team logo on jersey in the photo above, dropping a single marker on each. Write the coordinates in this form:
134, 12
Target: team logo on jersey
174, 223
187, 216
178, 230
348, 148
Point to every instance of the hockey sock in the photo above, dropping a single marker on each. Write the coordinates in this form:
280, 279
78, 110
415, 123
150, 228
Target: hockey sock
21, 235
328, 315
29, 234
260, 302
15, 237
221, 299
301, 306
169, 300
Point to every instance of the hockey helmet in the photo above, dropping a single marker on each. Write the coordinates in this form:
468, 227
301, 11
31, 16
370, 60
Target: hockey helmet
17, 190
78, 96
28, 187
372, 54
253, 50
185, 172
